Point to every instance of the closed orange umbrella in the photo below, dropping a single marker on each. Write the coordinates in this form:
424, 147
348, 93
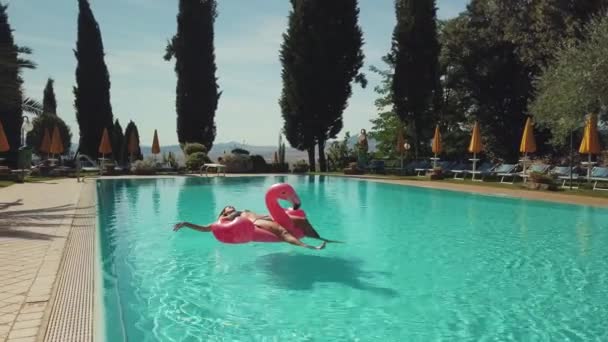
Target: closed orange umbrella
591, 141
4, 146
56, 142
475, 146
436, 146
155, 144
45, 146
105, 147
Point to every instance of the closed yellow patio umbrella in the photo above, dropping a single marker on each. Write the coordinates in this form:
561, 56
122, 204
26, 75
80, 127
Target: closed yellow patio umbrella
528, 144
56, 142
475, 146
591, 141
436, 146
155, 144
45, 145
4, 146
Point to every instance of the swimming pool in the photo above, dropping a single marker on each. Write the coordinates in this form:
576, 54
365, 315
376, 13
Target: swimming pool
417, 265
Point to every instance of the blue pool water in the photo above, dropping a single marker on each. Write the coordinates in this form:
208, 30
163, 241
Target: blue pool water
417, 265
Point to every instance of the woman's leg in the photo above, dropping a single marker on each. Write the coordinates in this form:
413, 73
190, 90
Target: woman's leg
283, 234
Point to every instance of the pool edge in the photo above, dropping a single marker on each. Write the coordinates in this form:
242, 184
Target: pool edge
74, 313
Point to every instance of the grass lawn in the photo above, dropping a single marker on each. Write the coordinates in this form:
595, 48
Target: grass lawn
4, 184
585, 190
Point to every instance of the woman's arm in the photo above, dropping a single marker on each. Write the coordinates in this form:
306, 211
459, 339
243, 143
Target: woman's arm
181, 225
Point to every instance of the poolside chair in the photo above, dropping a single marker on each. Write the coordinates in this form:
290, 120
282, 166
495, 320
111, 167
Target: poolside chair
422, 167
538, 168
599, 174
483, 170
563, 174
506, 171
376, 166
460, 170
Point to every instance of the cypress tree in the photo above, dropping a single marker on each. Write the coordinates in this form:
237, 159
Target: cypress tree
314, 26
298, 120
92, 93
49, 103
197, 91
131, 127
117, 142
11, 97
415, 53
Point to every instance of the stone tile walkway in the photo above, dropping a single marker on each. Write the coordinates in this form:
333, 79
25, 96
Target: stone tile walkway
35, 219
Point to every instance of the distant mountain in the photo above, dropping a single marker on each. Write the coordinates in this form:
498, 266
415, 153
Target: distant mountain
267, 152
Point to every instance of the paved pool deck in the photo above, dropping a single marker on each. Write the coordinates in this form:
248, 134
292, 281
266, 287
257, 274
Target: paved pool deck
35, 220
47, 253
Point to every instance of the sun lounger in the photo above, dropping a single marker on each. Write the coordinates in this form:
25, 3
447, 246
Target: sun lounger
483, 170
460, 170
563, 174
599, 174
506, 171
421, 166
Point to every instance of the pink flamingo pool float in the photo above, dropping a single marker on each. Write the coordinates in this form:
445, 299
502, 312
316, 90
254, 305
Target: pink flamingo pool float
242, 230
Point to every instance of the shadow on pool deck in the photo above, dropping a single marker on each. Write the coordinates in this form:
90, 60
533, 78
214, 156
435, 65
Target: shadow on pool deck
302, 272
20, 223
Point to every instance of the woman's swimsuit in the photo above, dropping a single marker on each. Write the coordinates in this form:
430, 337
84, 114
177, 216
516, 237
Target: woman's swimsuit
237, 213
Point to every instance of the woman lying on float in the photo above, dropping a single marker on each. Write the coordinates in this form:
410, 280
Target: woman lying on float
281, 225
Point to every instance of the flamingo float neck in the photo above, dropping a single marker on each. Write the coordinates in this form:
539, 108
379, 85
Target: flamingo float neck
274, 208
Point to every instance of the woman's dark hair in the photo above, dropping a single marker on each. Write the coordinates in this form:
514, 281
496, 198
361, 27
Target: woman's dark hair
224, 210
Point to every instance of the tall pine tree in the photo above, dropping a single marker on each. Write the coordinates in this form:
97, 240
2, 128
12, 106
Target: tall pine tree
415, 53
322, 47
197, 89
11, 97
49, 103
92, 92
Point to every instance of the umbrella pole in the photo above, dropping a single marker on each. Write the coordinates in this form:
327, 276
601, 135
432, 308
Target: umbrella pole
589, 168
525, 159
103, 158
435, 161
571, 144
474, 162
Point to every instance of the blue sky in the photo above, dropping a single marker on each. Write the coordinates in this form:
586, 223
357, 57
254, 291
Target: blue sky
135, 32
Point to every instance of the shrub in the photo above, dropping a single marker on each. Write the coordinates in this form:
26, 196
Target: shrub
279, 168
143, 167
191, 148
195, 160
239, 151
259, 164
300, 167
238, 163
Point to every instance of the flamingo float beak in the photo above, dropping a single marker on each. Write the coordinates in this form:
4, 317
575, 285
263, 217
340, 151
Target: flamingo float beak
296, 205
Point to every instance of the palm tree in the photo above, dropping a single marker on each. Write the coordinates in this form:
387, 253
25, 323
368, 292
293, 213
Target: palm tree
7, 89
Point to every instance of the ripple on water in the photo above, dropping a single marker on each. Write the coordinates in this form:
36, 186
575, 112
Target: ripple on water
417, 265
